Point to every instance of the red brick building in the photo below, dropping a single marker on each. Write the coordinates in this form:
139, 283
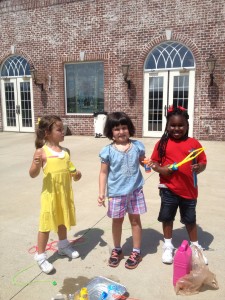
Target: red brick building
76, 49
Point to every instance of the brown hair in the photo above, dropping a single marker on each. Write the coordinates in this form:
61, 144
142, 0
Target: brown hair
45, 124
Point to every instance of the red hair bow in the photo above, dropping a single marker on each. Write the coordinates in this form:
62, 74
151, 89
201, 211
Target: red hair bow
181, 108
171, 108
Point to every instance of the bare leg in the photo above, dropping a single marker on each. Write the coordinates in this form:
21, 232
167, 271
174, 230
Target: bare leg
136, 227
192, 232
167, 229
42, 241
62, 232
117, 231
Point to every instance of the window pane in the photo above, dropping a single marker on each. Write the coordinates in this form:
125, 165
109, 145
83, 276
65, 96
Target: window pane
155, 104
85, 87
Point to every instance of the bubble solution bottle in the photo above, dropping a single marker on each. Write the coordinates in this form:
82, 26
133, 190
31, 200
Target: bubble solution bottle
147, 168
182, 261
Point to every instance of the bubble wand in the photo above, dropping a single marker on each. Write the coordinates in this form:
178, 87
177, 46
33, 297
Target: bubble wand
189, 157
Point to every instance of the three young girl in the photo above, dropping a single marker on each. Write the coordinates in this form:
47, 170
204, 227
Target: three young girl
121, 181
57, 203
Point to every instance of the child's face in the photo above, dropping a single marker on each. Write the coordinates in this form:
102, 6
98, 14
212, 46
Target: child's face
56, 134
121, 134
177, 127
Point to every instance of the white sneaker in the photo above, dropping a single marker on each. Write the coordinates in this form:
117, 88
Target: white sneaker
43, 264
202, 249
68, 251
168, 252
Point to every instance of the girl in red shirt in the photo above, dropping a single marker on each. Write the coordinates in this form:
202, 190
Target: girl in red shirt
178, 188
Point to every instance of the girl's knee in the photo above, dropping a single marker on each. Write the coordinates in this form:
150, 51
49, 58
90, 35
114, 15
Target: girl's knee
135, 220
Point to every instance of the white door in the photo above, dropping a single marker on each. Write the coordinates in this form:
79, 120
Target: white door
161, 90
17, 104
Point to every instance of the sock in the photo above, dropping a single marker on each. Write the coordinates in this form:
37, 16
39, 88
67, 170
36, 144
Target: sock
195, 243
168, 241
137, 250
40, 257
118, 248
63, 243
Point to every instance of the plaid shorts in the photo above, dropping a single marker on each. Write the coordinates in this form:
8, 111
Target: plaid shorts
133, 203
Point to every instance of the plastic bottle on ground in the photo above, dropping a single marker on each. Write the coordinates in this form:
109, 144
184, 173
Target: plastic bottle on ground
182, 261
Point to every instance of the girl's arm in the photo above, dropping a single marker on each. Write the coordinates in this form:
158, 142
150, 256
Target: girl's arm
165, 170
103, 175
36, 163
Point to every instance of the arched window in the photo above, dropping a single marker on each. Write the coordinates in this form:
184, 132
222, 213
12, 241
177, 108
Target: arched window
169, 55
15, 66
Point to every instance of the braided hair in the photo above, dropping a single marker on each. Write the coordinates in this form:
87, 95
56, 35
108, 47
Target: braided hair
176, 111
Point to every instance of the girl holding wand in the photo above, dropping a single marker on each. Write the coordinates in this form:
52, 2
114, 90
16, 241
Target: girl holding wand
57, 203
120, 173
177, 187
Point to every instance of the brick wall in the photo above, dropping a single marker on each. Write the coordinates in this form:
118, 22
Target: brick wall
49, 33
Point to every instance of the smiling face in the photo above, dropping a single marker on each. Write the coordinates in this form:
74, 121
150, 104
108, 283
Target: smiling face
177, 127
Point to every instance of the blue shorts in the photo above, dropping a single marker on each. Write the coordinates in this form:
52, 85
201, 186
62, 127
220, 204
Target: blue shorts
133, 203
169, 204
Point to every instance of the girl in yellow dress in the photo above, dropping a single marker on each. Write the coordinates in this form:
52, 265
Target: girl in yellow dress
57, 204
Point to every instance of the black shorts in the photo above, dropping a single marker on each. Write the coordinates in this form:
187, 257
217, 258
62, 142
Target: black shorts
169, 204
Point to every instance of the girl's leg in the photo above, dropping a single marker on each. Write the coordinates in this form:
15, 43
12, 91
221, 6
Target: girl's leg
135, 256
62, 232
64, 246
167, 229
192, 232
117, 231
136, 228
42, 241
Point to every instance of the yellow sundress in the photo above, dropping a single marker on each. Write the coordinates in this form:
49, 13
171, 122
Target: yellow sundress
57, 202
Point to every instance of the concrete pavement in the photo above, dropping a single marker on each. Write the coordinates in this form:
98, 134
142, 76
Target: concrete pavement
19, 213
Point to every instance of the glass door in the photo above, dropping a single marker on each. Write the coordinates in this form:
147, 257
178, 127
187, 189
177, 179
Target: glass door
17, 105
161, 90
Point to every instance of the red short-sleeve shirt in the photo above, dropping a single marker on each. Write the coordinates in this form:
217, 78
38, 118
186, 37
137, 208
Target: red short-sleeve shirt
181, 182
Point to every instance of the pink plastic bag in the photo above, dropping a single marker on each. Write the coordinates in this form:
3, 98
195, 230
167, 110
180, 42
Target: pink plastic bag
199, 276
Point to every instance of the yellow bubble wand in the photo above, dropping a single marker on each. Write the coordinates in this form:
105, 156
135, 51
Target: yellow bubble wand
189, 157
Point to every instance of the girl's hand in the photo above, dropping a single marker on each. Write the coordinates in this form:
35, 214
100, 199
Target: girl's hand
38, 158
147, 161
198, 168
77, 175
36, 164
165, 170
101, 200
